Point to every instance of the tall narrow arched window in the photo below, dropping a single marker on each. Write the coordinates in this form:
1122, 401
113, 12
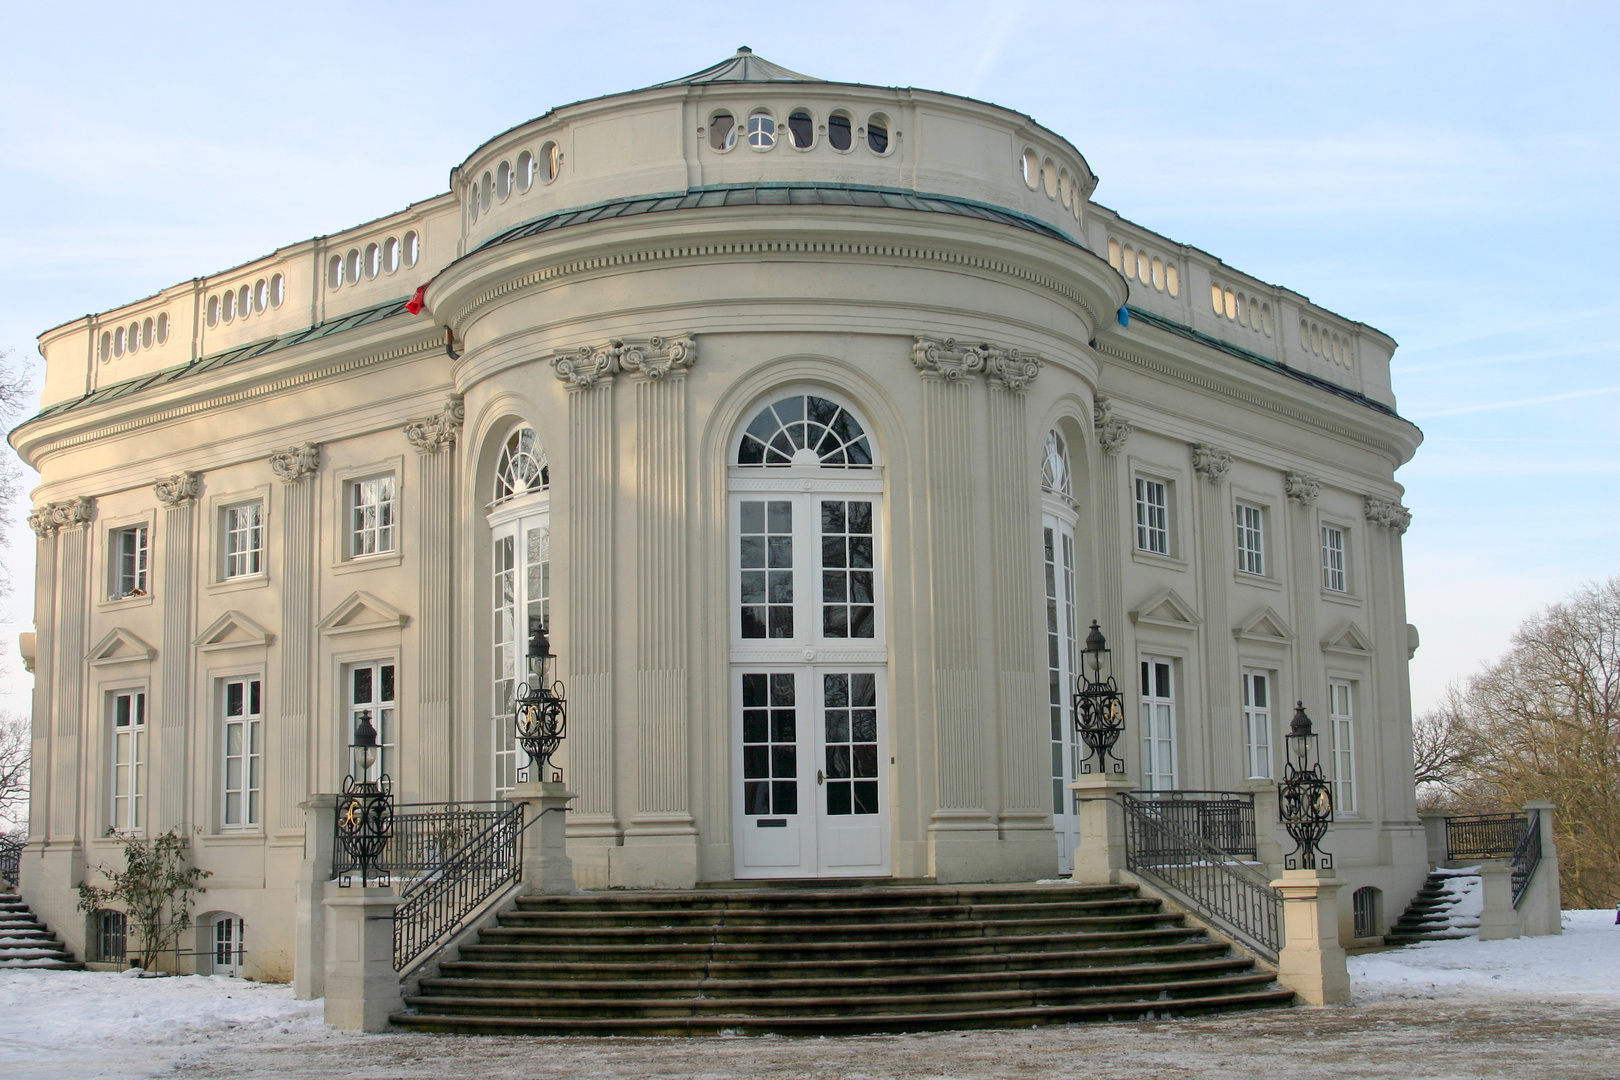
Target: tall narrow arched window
808, 646
520, 583
1058, 560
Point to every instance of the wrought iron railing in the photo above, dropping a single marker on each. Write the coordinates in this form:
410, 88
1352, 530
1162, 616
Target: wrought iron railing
1229, 893
11, 859
1484, 836
424, 835
1224, 819
1526, 856
434, 906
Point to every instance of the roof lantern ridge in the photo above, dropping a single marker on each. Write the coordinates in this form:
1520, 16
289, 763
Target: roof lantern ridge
741, 66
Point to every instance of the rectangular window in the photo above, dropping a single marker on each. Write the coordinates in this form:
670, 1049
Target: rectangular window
371, 516
1257, 723
1058, 561
129, 562
1341, 718
1152, 516
244, 540
848, 609
505, 663
1333, 578
371, 696
770, 744
1251, 557
850, 714
1158, 724
766, 562
242, 738
129, 761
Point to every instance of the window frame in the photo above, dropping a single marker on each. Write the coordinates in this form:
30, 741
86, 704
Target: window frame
139, 582
378, 530
250, 793
1249, 520
1141, 484
388, 733
1147, 663
223, 533
138, 761
1261, 719
1342, 745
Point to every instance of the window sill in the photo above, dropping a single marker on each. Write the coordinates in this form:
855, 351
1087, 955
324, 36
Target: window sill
252, 834
125, 602
237, 584
1257, 580
1148, 558
1348, 599
368, 562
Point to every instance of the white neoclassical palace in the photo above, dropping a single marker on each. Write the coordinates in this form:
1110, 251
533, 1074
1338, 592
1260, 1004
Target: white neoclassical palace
817, 420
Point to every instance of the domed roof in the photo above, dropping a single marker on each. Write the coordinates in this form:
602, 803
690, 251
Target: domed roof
741, 66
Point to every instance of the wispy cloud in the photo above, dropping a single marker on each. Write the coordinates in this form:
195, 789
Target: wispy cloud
1005, 22
1545, 399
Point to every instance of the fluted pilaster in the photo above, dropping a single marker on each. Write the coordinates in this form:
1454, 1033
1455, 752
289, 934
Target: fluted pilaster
1223, 734
71, 522
41, 820
296, 469
1112, 434
1306, 538
178, 494
435, 441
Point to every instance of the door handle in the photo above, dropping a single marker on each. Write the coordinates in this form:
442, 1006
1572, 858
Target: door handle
821, 778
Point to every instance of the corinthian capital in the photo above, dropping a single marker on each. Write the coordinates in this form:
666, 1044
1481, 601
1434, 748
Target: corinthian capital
1387, 513
1012, 369
39, 519
946, 360
1112, 433
659, 357
1210, 462
176, 490
438, 432
649, 358
294, 465
1301, 488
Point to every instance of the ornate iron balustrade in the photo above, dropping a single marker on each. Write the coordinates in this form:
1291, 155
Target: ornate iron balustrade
11, 859
1223, 819
1227, 892
1484, 836
1526, 856
424, 835
435, 906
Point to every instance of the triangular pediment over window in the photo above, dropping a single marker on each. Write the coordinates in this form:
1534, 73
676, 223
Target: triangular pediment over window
1264, 625
1166, 608
1348, 638
233, 630
120, 647
362, 611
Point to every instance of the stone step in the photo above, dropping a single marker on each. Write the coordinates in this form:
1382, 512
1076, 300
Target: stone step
750, 897
526, 915
25, 942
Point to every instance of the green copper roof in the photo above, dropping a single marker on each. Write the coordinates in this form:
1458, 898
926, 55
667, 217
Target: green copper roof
741, 66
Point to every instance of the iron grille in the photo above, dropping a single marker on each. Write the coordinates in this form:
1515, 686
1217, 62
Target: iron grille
1526, 856
424, 836
1222, 819
1484, 836
434, 906
11, 859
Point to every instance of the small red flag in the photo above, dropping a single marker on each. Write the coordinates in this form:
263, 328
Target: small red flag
414, 306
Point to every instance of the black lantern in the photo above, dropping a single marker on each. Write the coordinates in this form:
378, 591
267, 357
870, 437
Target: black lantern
540, 711
1099, 707
1305, 799
365, 812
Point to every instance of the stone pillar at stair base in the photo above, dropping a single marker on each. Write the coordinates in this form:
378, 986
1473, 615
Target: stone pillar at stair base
1498, 920
1434, 836
546, 866
362, 987
1268, 850
1312, 963
1100, 857
1540, 910
310, 891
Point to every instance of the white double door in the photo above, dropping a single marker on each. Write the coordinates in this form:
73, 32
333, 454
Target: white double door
810, 783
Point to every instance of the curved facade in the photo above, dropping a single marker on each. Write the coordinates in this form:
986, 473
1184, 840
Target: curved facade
816, 419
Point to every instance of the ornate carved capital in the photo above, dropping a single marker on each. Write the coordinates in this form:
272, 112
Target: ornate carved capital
39, 519
438, 432
291, 466
1301, 488
648, 358
945, 360
1112, 433
1210, 462
51, 518
176, 490
1387, 514
1012, 369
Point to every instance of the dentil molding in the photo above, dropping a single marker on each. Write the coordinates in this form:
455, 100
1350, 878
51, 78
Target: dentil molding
1210, 462
647, 358
291, 466
1112, 432
1387, 513
1301, 488
438, 432
46, 520
176, 490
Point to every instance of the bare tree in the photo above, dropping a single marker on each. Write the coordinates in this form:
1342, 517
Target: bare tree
14, 753
15, 397
1443, 748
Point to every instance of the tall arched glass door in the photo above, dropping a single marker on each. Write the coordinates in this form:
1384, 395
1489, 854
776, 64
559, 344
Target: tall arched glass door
808, 644
520, 587
1058, 519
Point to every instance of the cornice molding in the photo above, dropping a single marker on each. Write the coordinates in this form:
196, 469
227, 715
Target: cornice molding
299, 463
51, 518
645, 358
1210, 462
437, 433
176, 490
1386, 513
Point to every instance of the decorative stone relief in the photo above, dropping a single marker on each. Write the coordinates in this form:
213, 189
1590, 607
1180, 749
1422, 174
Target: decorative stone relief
438, 432
1301, 488
69, 514
650, 358
1013, 369
1210, 462
1387, 514
294, 465
177, 489
945, 360
1112, 433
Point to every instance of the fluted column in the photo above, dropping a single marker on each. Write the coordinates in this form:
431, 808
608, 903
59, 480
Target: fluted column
296, 469
948, 372
46, 584
1215, 569
1112, 435
434, 762
178, 494
663, 797
1024, 726
1386, 717
71, 521
1306, 586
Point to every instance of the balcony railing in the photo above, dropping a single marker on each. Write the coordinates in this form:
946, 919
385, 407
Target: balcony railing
1484, 836
424, 836
1222, 819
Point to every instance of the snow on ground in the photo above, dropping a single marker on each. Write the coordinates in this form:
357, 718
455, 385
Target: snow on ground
1584, 961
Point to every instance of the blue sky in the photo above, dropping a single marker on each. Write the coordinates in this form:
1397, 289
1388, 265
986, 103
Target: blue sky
1446, 172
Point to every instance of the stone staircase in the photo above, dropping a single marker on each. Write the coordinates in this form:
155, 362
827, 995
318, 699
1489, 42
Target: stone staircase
25, 942
817, 960
1432, 915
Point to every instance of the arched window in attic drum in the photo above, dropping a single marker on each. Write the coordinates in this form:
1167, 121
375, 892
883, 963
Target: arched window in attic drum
522, 466
805, 430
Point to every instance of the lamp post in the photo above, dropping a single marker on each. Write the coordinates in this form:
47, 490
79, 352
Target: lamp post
1099, 707
540, 711
1304, 799
365, 811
